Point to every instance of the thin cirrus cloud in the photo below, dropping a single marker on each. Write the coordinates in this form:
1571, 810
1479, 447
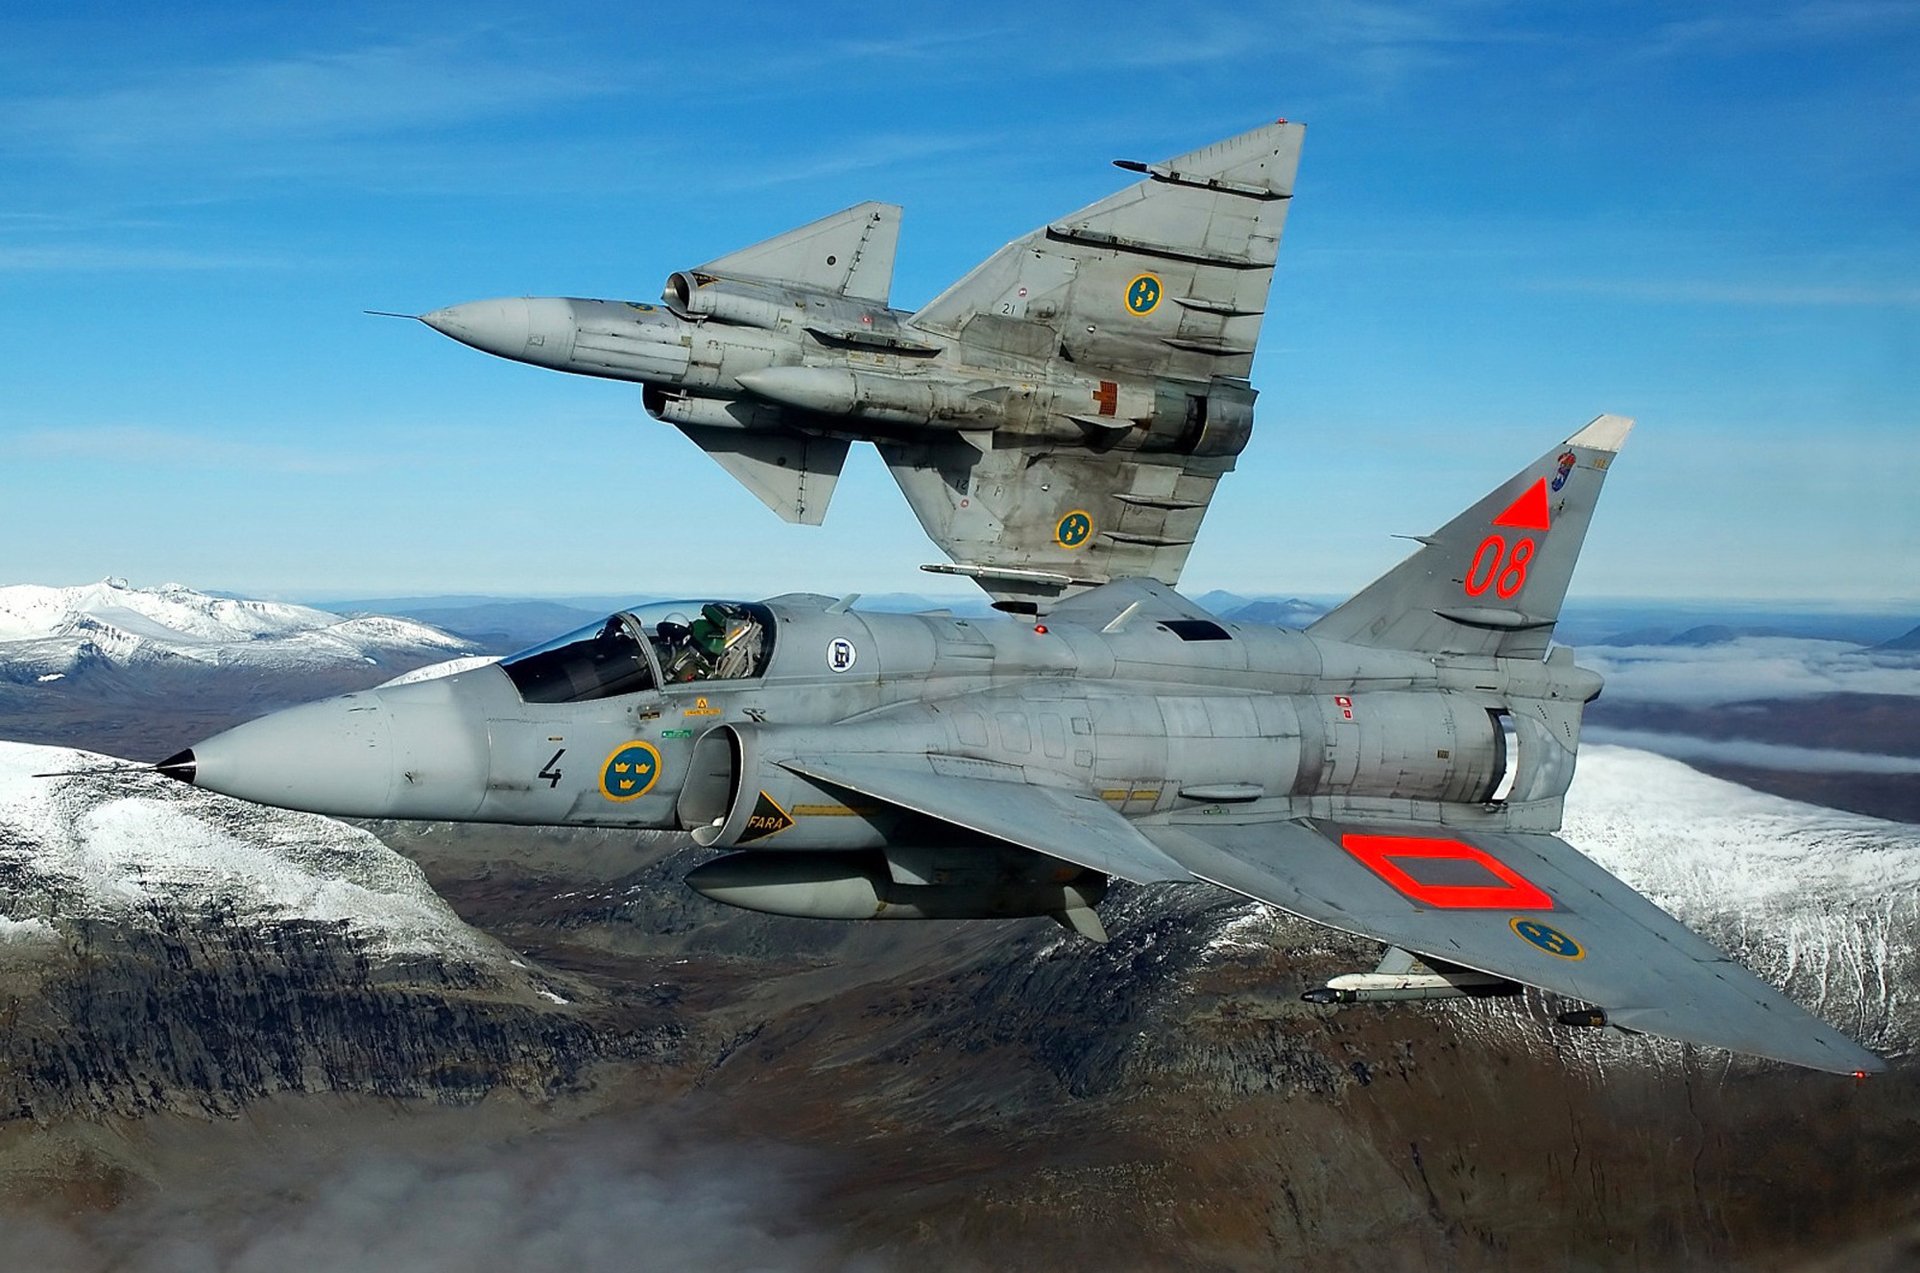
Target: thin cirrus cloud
148, 448
97, 256
888, 151
1738, 30
1713, 292
363, 92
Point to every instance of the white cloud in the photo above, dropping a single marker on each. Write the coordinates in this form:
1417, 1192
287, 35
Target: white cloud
1740, 751
589, 1199
1749, 668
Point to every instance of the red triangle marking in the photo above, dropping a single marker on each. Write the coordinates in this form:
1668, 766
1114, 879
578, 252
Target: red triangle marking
1529, 512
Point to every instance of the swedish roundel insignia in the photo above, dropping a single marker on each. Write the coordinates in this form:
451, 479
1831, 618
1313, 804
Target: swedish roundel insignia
1074, 529
630, 771
1547, 938
1143, 294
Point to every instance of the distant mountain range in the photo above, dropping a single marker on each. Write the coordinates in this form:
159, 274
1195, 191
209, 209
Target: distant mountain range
140, 672
1703, 635
50, 633
1909, 640
504, 624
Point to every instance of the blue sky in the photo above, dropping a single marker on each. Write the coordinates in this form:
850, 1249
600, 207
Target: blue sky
1508, 219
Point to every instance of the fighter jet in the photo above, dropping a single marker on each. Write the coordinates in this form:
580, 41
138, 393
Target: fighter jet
1396, 770
1057, 418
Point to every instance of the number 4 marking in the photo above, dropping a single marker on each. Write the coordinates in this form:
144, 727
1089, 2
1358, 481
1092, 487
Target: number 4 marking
548, 771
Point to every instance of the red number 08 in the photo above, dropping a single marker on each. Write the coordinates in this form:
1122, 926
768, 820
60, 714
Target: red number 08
1497, 568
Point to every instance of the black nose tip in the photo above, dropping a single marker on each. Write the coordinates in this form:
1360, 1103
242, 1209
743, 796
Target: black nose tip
180, 765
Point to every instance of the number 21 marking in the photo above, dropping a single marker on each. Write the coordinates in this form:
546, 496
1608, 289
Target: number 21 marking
1498, 567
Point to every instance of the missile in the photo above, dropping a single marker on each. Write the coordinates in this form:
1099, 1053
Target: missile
931, 400
866, 395
1376, 987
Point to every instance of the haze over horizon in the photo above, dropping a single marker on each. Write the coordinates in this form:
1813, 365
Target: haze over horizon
1508, 221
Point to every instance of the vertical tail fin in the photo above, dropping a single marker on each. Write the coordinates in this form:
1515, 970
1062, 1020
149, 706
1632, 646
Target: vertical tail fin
1492, 580
1168, 277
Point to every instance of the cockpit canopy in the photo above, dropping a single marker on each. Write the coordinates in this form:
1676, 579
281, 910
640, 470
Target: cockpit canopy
667, 643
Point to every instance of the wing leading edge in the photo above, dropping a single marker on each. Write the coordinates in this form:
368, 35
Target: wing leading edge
1528, 907
1048, 820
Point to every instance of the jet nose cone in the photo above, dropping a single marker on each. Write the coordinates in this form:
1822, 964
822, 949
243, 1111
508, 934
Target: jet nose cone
406, 751
498, 327
526, 329
330, 757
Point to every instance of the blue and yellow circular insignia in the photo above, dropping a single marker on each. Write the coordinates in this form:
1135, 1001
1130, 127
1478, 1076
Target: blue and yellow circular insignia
1551, 940
1143, 294
1075, 529
630, 772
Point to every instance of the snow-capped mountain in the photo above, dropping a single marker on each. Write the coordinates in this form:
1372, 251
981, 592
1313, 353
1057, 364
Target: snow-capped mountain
126, 846
163, 948
1822, 903
47, 633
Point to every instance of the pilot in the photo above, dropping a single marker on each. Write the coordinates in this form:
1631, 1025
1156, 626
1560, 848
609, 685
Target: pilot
681, 656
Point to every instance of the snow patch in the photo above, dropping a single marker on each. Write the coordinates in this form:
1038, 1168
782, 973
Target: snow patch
25, 930
1250, 930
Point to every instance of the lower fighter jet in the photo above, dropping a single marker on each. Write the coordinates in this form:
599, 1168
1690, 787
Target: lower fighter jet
1396, 770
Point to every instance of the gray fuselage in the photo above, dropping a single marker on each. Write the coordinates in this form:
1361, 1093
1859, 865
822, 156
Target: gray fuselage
1150, 716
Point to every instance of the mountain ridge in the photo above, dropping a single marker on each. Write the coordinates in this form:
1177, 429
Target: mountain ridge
49, 632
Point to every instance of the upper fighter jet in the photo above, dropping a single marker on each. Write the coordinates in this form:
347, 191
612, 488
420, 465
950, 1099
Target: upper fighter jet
1397, 770
1057, 418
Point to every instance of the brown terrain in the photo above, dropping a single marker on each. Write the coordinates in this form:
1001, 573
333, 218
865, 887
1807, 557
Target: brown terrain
727, 1090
